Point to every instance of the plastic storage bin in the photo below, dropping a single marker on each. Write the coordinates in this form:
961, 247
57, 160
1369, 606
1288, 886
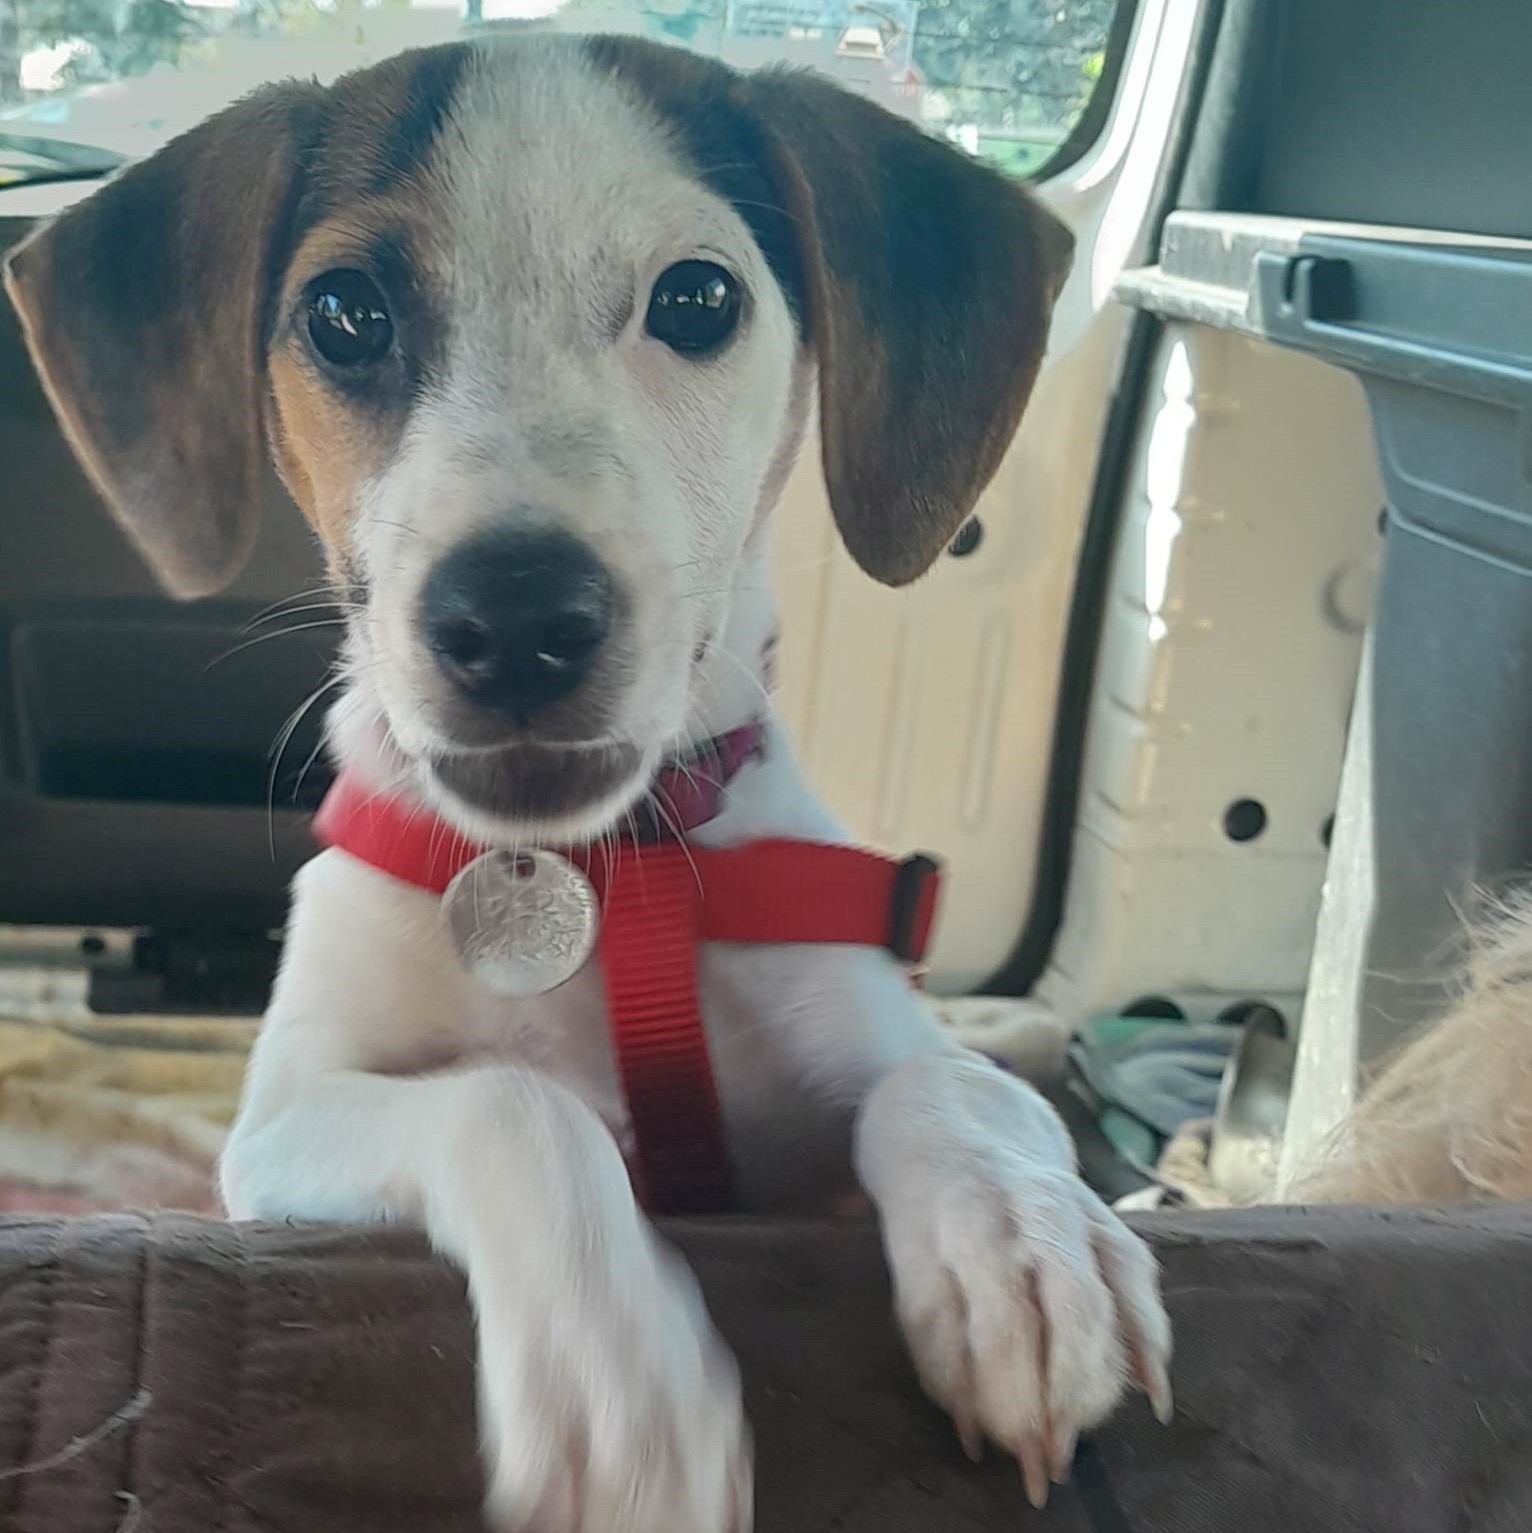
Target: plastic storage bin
1440, 337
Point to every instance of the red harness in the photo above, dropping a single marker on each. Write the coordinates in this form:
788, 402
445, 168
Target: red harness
658, 901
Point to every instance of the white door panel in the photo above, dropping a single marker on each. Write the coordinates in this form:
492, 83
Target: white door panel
926, 717
1240, 588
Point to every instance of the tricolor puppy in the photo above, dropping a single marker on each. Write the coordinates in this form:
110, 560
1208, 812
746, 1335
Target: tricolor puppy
531, 332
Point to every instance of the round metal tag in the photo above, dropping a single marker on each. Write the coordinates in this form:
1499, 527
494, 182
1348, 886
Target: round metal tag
522, 922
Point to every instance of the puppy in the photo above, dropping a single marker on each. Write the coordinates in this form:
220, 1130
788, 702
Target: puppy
536, 327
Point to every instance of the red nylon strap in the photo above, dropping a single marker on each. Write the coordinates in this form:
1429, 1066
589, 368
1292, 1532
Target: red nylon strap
791, 891
658, 902
762, 891
413, 847
649, 957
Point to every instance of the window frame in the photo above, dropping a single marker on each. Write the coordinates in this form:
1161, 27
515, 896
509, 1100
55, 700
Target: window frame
1085, 134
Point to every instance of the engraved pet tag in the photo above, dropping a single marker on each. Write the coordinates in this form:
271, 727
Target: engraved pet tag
522, 922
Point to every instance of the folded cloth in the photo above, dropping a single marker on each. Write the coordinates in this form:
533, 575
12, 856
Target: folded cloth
1145, 1079
1182, 1178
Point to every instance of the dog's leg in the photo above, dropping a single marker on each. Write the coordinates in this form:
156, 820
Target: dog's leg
607, 1403
1025, 1301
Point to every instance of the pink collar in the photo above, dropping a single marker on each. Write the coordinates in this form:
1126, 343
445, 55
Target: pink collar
658, 903
688, 794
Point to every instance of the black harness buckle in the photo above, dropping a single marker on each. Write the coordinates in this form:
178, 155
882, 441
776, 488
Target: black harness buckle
910, 880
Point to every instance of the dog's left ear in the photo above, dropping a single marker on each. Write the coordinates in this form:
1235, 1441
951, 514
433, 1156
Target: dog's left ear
929, 282
144, 309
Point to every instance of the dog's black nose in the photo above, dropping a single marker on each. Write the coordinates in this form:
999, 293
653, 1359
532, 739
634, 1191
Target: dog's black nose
516, 619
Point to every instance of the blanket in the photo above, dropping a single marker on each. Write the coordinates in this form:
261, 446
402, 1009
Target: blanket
107, 1113
1347, 1370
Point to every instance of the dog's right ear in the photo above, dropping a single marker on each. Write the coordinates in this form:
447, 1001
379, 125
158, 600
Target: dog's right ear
145, 309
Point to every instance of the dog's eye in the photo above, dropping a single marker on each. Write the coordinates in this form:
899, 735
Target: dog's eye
694, 308
348, 320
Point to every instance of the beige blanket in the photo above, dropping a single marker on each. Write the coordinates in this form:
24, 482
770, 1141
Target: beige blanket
103, 1113
106, 1113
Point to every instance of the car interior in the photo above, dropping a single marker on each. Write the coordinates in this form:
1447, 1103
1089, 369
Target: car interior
1217, 713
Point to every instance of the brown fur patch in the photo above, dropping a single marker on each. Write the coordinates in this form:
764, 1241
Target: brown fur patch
150, 307
160, 317
925, 283
379, 138
322, 453
377, 210
144, 309
930, 327
327, 439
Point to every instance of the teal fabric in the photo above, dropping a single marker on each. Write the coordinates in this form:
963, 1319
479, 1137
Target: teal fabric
1144, 1078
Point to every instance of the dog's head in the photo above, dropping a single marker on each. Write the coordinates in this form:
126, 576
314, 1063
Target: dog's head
530, 331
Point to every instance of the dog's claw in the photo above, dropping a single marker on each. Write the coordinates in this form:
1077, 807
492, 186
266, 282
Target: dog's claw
1061, 1452
743, 1510
1157, 1386
1034, 1471
969, 1434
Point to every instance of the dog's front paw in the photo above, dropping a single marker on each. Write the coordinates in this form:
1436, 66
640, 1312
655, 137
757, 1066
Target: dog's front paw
612, 1407
1026, 1303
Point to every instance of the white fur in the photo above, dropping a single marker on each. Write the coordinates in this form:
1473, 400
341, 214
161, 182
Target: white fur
385, 1085
541, 418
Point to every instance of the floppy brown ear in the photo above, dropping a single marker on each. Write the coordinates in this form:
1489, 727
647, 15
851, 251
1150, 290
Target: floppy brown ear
929, 281
145, 310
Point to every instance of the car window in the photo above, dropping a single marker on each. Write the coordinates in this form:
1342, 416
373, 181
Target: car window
1009, 80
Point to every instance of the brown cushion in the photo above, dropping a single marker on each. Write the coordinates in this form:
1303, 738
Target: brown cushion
1336, 1370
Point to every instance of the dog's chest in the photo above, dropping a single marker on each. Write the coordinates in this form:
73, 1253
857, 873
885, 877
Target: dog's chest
785, 1142
373, 955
